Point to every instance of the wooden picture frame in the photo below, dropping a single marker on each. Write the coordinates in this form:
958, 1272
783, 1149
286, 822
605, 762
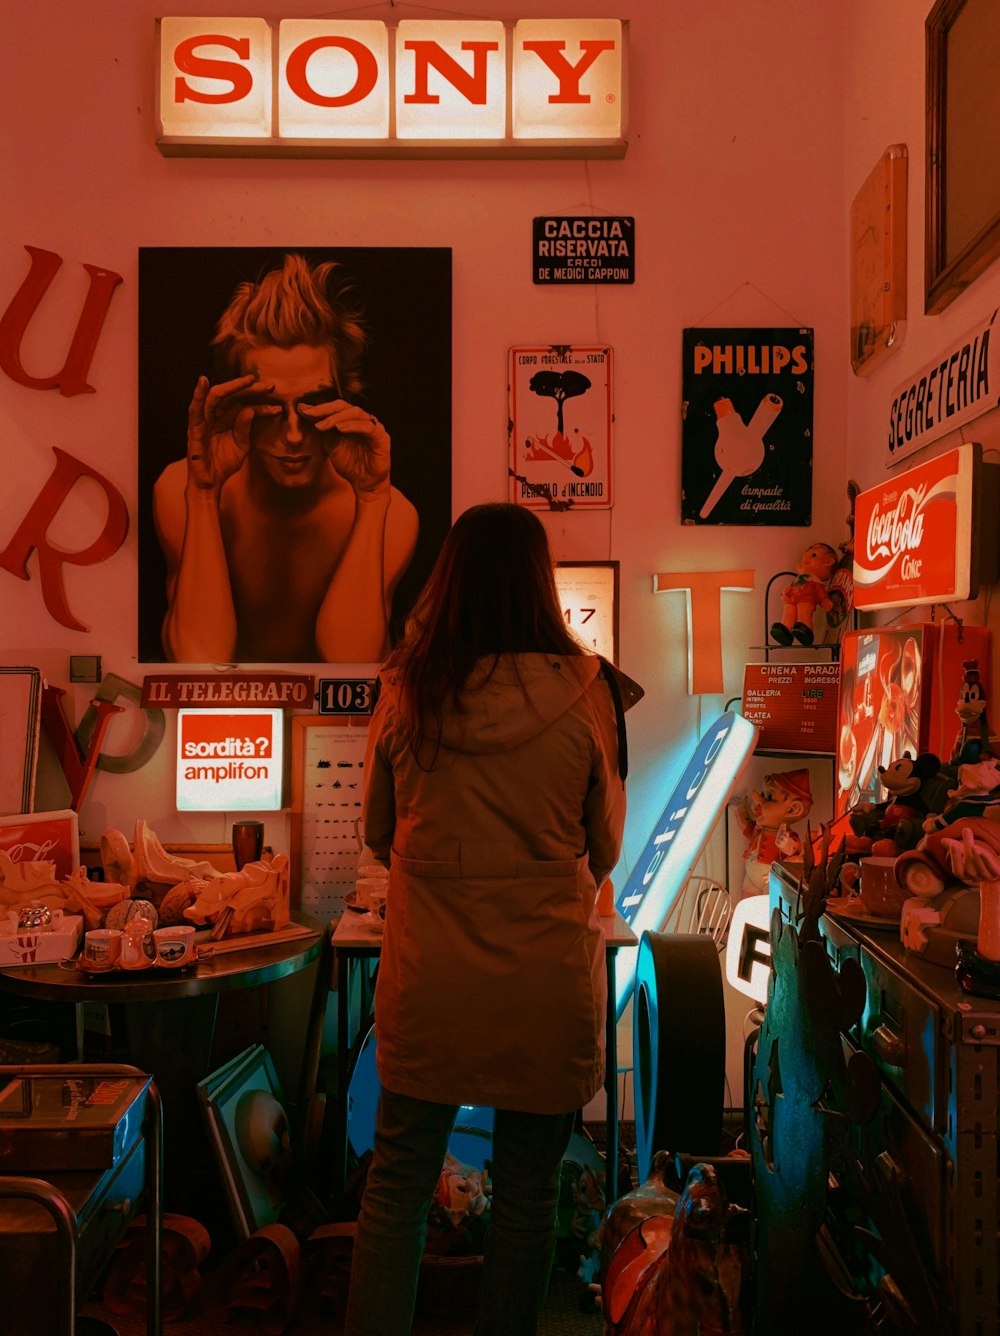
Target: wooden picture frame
962, 202
20, 725
327, 787
878, 262
588, 595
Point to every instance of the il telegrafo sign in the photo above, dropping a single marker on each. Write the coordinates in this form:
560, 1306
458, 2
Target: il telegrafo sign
675, 845
916, 536
208, 690
419, 88
229, 760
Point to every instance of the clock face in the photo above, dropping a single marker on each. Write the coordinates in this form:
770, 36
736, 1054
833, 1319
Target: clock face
878, 262
588, 596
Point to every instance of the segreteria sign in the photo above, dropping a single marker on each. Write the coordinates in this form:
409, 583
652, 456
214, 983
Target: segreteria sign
331, 87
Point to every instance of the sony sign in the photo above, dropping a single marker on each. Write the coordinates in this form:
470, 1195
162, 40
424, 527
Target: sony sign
419, 88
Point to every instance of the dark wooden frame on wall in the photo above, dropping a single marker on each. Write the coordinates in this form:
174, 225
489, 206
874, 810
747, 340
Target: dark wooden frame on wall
946, 274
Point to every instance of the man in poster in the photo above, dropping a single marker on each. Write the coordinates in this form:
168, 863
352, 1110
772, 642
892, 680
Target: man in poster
283, 535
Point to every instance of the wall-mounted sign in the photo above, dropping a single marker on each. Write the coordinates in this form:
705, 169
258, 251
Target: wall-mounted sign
207, 690
746, 433
229, 760
346, 695
583, 250
916, 537
677, 839
588, 596
560, 417
792, 705
960, 385
362, 88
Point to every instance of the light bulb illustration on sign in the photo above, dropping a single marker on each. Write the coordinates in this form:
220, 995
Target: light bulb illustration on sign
746, 429
229, 760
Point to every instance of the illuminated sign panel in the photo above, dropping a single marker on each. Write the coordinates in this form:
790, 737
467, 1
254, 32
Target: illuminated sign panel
916, 535
363, 88
229, 760
679, 836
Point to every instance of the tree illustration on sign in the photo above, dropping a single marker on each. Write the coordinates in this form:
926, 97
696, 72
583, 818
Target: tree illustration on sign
560, 386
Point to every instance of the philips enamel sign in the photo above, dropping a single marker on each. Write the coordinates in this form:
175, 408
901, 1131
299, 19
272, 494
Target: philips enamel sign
229, 760
331, 87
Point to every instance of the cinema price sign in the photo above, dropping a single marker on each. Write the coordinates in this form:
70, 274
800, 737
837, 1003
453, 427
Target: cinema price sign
330, 87
229, 760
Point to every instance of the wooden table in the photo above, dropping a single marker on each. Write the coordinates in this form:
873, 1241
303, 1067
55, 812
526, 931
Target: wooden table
173, 1042
356, 948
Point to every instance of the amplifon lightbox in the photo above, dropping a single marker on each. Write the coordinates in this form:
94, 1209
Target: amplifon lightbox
229, 760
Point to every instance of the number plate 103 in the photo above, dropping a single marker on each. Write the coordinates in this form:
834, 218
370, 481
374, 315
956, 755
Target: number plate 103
346, 695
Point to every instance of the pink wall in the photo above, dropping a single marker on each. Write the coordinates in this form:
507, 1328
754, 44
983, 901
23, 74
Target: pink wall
738, 174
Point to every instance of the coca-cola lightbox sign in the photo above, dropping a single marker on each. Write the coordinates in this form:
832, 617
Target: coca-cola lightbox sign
917, 535
334, 87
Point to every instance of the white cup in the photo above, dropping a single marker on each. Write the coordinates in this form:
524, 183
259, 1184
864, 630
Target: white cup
102, 948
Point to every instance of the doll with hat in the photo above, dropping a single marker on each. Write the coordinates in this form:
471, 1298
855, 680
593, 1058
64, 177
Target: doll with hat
765, 818
806, 593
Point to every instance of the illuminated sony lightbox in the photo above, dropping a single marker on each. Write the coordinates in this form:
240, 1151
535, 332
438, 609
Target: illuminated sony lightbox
229, 760
679, 836
334, 87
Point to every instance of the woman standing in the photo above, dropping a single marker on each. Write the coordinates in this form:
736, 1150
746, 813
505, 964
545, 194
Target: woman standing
494, 796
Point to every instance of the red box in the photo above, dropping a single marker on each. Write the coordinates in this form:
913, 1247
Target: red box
886, 687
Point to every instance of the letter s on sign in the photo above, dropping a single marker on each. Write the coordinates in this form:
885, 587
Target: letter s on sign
188, 62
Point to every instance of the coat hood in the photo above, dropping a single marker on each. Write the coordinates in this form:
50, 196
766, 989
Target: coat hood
523, 695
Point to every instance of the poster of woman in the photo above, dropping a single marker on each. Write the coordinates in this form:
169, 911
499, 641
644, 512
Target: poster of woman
294, 449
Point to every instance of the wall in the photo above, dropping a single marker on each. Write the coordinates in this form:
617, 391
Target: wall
735, 174
884, 104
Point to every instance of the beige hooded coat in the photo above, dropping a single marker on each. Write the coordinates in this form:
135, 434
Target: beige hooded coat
491, 986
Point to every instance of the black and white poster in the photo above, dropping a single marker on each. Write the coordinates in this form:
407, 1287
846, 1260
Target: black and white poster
747, 426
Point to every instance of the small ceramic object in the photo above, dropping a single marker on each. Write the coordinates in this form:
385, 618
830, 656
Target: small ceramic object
174, 947
102, 949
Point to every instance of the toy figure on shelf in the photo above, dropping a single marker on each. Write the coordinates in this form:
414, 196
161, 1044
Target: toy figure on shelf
804, 595
973, 737
941, 883
841, 589
765, 817
977, 795
895, 824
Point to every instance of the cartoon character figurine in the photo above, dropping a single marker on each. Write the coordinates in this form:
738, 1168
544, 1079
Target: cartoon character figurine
842, 582
805, 594
977, 794
765, 818
889, 827
941, 878
974, 735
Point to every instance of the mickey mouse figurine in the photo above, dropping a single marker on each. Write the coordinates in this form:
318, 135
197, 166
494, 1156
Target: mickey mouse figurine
807, 592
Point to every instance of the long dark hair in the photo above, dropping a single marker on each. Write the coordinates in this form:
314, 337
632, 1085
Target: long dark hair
492, 591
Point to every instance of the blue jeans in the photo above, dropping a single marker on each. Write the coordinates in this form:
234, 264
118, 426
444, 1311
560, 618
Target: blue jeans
411, 1139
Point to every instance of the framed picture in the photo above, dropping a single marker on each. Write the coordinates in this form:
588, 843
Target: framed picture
249, 1128
962, 203
20, 721
783, 785
588, 594
328, 756
560, 416
878, 262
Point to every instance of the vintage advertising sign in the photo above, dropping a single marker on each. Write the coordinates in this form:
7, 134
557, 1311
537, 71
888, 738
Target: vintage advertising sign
884, 708
229, 760
747, 426
676, 841
43, 837
792, 705
916, 536
207, 690
583, 250
419, 88
560, 416
960, 385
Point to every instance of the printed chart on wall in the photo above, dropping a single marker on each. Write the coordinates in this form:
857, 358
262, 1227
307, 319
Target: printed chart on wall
747, 426
560, 416
328, 781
